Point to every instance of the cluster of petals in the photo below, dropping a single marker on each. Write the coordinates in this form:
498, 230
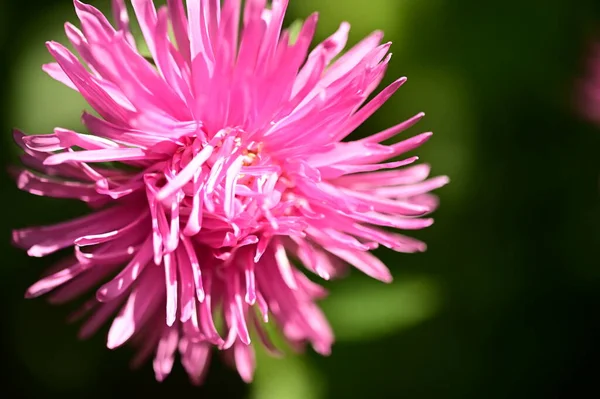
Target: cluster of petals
216, 170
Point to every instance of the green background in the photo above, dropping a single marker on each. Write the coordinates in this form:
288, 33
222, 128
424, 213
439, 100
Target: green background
505, 302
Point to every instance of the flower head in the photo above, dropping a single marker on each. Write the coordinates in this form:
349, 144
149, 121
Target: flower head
231, 168
588, 99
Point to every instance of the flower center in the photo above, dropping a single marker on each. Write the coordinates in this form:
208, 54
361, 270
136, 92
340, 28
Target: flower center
222, 193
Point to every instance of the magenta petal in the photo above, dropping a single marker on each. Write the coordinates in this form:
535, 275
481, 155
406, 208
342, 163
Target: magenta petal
244, 361
165, 353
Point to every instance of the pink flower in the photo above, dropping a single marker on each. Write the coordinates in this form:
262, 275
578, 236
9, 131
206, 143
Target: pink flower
231, 167
588, 100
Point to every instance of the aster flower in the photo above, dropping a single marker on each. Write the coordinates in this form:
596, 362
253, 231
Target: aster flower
588, 99
231, 170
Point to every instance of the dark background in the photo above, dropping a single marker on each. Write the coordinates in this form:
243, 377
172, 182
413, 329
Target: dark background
505, 302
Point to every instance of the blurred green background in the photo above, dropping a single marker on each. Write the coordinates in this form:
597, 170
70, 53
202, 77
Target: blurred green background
505, 302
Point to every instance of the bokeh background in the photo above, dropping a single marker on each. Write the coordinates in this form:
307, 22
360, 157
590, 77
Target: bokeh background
505, 302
